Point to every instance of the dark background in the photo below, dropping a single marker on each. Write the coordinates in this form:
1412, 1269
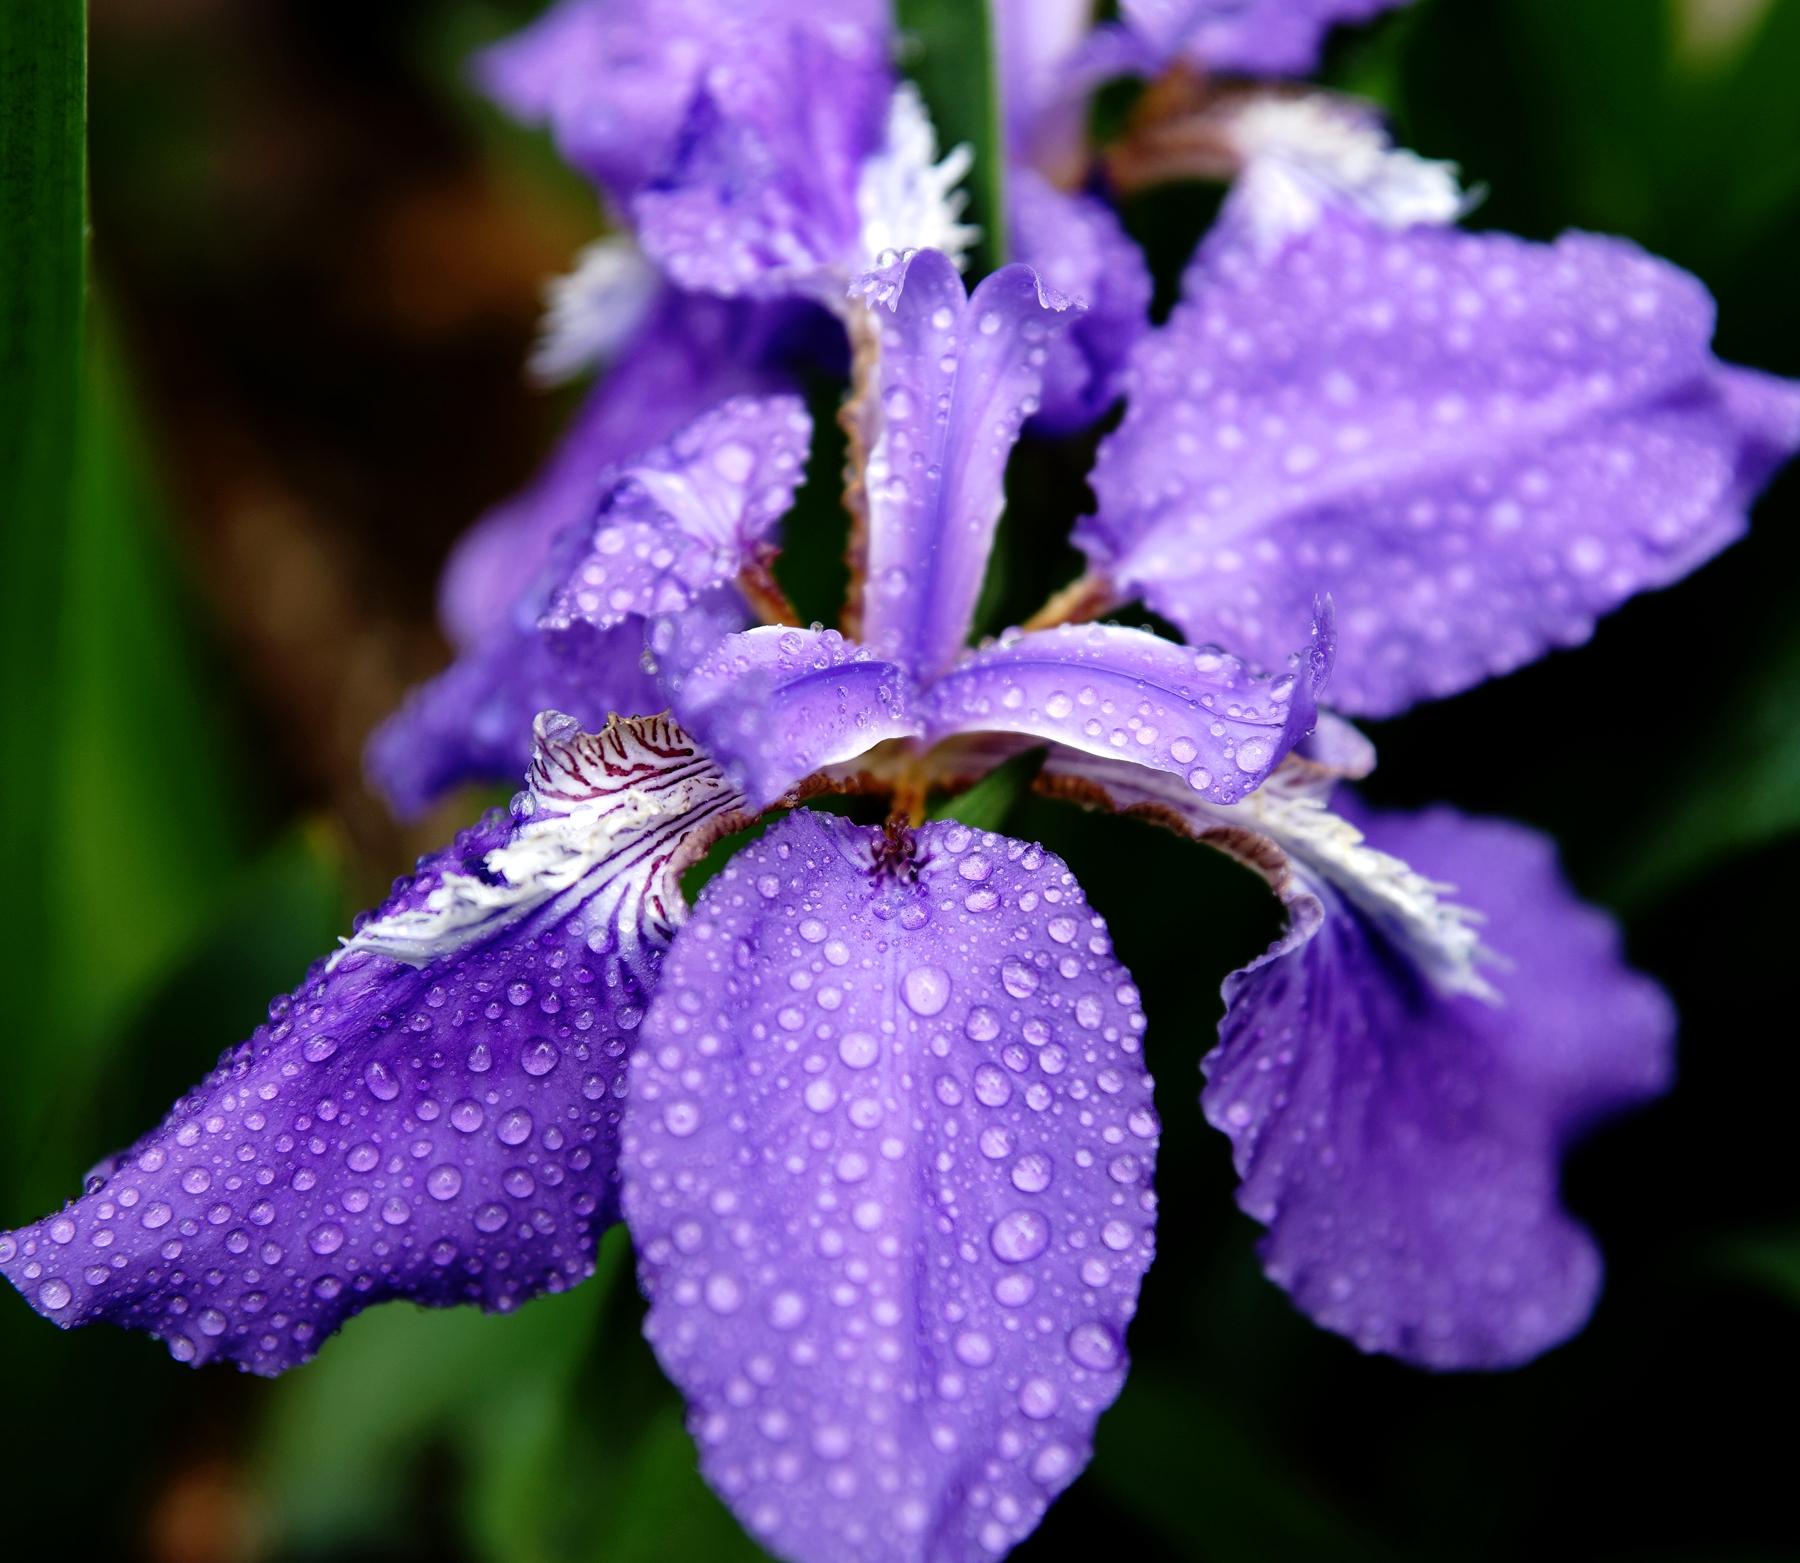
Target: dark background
317, 261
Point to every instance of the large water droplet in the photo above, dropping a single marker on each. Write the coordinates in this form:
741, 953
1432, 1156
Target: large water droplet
1019, 1235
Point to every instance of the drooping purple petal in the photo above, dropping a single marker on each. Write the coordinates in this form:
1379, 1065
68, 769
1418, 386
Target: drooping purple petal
760, 198
687, 516
1399, 1079
433, 1113
1401, 1145
773, 704
1078, 246
887, 1164
1474, 444
1245, 37
1131, 695
954, 379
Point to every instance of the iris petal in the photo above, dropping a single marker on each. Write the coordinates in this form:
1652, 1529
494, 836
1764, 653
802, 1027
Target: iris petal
433, 1113
887, 1162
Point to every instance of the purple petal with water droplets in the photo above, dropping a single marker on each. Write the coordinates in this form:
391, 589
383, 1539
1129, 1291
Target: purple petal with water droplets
440, 1127
1249, 37
687, 516
1131, 695
773, 704
955, 378
1401, 1145
615, 79
473, 720
760, 199
1080, 248
690, 354
887, 1162
1474, 444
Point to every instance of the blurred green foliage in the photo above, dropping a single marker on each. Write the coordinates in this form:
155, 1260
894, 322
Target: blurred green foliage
161, 892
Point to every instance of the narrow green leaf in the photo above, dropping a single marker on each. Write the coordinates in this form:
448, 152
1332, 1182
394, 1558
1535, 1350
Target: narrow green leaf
950, 52
43, 277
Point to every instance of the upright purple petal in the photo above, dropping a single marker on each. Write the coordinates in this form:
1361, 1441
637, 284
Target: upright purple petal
690, 354
1402, 1144
887, 1163
662, 526
1474, 444
1128, 694
955, 377
615, 80
687, 516
1245, 37
1079, 247
1036, 43
433, 1113
760, 198
773, 704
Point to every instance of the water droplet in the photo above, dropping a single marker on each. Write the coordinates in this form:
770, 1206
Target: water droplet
1031, 1173
382, 1085
326, 1239
681, 1118
54, 1294
1019, 1235
539, 1057
443, 1182
858, 1049
1253, 754
1094, 1346
926, 989
515, 1127
1038, 1398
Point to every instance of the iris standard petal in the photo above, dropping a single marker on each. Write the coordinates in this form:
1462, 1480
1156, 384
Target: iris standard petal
687, 516
690, 354
939, 407
1080, 248
1199, 714
1475, 444
433, 1113
615, 80
1244, 37
775, 704
759, 199
887, 1163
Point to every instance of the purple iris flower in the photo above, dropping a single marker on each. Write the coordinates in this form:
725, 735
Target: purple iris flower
1476, 444
875, 1109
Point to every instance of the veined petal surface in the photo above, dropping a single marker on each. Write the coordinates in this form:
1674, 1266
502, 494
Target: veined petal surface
1402, 1072
1197, 713
1474, 444
887, 1163
955, 377
1403, 1144
433, 1113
